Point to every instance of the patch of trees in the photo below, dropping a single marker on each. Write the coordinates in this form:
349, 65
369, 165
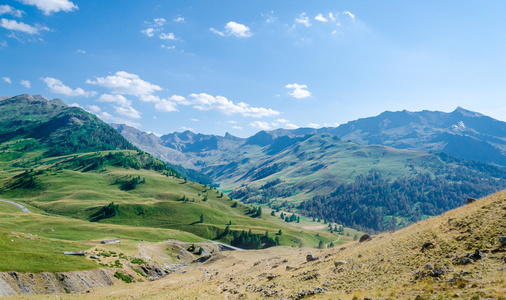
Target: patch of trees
130, 182
121, 160
372, 203
249, 240
288, 219
267, 171
105, 212
264, 194
25, 180
255, 212
75, 131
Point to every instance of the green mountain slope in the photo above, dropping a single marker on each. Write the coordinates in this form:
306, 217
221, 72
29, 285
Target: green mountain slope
104, 183
55, 128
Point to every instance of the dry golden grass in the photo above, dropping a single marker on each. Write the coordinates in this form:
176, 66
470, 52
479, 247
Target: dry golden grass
385, 267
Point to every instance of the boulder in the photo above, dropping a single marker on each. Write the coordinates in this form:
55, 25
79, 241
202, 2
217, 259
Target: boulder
338, 263
502, 240
470, 200
311, 257
427, 246
365, 238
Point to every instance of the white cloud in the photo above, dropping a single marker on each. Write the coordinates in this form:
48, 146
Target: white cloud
282, 120
128, 111
234, 29
186, 128
80, 51
179, 99
238, 30
7, 9
216, 31
303, 19
116, 99
105, 116
3, 44
205, 101
332, 17
320, 18
290, 126
260, 125
94, 109
25, 83
349, 14
194, 120
179, 19
232, 122
7, 79
165, 105
149, 32
125, 83
314, 125
237, 127
154, 26
165, 36
159, 21
299, 90
168, 47
75, 105
51, 6
20, 26
269, 17
57, 87
168, 105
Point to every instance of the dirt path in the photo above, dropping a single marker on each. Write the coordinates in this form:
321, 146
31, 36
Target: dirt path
227, 246
327, 245
23, 209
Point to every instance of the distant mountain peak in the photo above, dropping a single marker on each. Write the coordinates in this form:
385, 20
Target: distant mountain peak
467, 113
40, 98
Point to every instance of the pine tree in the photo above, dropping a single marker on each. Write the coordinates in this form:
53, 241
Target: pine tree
321, 245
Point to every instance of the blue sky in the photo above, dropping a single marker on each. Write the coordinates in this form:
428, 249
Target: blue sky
242, 66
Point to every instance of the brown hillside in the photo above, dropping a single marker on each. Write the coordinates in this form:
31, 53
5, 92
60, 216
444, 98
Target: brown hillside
392, 265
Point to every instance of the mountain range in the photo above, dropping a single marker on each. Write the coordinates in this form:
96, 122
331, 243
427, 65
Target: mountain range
460, 133
404, 161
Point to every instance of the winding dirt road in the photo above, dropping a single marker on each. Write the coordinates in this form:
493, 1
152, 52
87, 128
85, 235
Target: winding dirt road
23, 209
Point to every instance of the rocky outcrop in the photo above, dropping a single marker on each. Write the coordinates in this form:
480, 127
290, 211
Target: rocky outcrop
16, 283
365, 238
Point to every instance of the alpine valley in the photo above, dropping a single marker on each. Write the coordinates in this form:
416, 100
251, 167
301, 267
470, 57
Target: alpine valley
285, 214
372, 174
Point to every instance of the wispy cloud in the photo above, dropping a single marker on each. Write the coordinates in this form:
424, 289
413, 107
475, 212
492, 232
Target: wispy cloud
179, 19
303, 19
299, 91
80, 51
7, 79
349, 14
260, 125
9, 10
21, 27
51, 6
57, 87
167, 36
25, 83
